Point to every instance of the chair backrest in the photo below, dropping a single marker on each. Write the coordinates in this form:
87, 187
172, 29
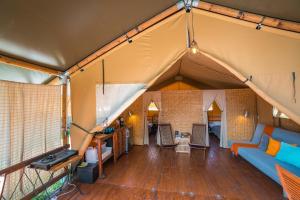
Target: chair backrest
289, 182
166, 136
198, 134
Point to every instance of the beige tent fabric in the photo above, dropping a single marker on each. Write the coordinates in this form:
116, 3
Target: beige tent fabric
149, 55
201, 72
269, 56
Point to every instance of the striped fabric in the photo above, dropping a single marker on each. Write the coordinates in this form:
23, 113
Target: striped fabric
30, 124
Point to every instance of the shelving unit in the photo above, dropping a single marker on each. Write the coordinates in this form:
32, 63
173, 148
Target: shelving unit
118, 147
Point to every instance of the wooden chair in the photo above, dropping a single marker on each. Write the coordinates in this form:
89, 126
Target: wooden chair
290, 183
166, 136
198, 137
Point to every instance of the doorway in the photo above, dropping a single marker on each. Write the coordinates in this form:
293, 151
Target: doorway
152, 121
214, 124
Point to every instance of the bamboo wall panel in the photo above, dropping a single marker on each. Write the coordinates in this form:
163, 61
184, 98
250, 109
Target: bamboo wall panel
237, 101
181, 108
264, 110
289, 125
136, 120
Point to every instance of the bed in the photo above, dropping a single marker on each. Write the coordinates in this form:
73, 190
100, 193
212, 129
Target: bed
215, 128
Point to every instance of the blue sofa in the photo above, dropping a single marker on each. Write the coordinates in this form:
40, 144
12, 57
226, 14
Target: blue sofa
265, 162
255, 138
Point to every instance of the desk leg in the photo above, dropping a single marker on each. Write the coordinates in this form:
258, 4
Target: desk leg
100, 162
115, 146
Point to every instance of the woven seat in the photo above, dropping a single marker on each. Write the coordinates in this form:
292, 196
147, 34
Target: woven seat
290, 183
166, 135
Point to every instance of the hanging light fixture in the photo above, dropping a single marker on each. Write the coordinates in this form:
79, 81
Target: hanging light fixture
193, 44
194, 47
152, 106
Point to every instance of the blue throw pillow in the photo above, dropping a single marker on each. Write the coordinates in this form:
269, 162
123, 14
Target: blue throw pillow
289, 154
264, 141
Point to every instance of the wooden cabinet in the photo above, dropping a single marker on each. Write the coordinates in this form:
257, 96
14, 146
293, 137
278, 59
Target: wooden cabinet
121, 138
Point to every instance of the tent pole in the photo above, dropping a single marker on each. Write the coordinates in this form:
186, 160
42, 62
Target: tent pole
64, 114
27, 65
103, 76
250, 17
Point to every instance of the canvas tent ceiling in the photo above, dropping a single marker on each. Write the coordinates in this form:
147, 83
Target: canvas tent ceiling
270, 57
225, 41
58, 34
199, 71
287, 10
150, 54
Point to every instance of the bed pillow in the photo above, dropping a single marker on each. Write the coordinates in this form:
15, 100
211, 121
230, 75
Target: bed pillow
273, 147
264, 141
289, 153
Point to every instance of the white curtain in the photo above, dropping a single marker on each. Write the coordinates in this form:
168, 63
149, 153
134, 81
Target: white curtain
221, 101
209, 96
30, 124
146, 102
154, 96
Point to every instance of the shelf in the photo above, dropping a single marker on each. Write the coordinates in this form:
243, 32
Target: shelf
107, 157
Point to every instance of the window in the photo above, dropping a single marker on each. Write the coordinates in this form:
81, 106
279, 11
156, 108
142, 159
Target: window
277, 113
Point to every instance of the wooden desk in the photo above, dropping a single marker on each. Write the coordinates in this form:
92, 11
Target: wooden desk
66, 163
99, 140
118, 148
67, 171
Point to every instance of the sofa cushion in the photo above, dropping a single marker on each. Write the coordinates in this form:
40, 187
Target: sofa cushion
266, 163
257, 134
289, 154
286, 136
273, 147
264, 142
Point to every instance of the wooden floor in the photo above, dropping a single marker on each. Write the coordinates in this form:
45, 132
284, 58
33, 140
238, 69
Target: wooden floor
150, 173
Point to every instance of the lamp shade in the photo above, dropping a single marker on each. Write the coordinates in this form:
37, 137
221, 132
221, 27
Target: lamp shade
152, 106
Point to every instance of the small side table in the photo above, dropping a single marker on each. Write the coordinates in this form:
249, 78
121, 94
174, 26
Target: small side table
183, 144
99, 139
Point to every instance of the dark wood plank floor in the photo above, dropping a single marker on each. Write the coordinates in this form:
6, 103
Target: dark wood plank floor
150, 173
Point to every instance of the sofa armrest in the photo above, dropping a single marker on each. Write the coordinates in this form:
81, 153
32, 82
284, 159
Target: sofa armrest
230, 142
235, 147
